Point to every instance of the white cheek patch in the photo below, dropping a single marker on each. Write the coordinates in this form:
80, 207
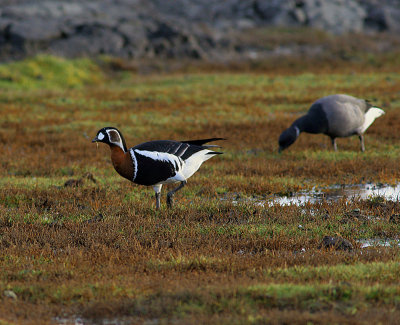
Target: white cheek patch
100, 136
115, 138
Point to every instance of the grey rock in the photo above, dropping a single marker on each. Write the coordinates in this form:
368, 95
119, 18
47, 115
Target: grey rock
35, 30
134, 35
203, 29
90, 40
336, 16
383, 18
44, 10
5, 24
281, 13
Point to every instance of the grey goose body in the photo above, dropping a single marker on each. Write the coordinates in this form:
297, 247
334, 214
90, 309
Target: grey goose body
336, 116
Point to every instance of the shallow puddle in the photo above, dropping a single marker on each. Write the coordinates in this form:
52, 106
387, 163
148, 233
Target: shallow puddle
329, 193
83, 321
375, 242
336, 192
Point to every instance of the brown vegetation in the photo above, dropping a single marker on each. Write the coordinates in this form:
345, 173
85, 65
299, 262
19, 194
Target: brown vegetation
99, 250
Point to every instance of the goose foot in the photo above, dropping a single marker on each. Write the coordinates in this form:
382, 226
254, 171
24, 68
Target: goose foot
170, 195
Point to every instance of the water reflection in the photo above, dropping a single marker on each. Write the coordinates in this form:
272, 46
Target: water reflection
336, 192
382, 242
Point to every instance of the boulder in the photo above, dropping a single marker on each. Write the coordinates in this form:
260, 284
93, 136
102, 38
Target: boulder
383, 18
335, 16
89, 41
34, 30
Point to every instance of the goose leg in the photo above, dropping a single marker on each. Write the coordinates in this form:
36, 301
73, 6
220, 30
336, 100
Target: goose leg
158, 201
157, 189
334, 144
170, 194
361, 137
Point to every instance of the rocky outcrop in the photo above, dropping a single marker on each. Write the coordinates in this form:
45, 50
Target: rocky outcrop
382, 16
170, 29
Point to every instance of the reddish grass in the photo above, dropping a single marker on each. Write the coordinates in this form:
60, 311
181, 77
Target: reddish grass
100, 250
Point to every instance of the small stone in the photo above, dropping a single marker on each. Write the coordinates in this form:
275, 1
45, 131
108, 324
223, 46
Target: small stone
337, 243
353, 215
325, 216
96, 218
10, 294
395, 218
73, 183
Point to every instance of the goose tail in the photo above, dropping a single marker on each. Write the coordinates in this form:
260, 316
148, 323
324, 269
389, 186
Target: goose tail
370, 116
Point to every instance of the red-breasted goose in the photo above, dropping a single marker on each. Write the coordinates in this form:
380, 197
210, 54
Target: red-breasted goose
156, 163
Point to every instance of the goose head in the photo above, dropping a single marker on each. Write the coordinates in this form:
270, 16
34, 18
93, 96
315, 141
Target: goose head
288, 137
111, 136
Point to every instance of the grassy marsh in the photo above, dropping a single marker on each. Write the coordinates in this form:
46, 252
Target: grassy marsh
100, 250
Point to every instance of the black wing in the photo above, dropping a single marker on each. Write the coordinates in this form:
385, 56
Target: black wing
152, 170
183, 149
203, 141
173, 147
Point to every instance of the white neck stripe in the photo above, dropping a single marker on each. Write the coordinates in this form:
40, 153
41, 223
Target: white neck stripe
134, 164
297, 131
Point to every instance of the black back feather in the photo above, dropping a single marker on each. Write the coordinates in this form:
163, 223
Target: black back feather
183, 149
201, 142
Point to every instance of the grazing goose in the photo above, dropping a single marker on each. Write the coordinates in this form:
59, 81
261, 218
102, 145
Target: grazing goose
336, 116
156, 163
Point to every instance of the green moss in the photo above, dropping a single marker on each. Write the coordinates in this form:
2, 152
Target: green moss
49, 72
382, 272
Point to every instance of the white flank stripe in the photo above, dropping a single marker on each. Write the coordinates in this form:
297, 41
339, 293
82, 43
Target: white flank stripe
134, 164
370, 117
161, 156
